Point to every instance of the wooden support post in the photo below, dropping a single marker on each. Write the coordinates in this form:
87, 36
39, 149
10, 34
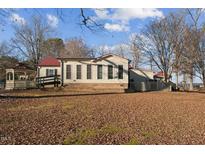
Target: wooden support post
57, 81
54, 81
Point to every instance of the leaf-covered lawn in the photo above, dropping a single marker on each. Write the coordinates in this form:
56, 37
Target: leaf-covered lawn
133, 118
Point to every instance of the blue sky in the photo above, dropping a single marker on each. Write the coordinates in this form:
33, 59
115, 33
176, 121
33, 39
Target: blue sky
119, 23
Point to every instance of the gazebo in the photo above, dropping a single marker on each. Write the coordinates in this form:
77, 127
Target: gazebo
20, 77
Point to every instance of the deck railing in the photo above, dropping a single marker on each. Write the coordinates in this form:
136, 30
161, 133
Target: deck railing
48, 80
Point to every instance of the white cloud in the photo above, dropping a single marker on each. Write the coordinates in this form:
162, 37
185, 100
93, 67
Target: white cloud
114, 49
139, 13
126, 14
116, 27
52, 20
120, 17
102, 13
17, 19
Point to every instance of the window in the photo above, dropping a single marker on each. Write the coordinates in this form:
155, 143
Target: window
110, 72
120, 71
99, 72
51, 72
78, 72
9, 76
68, 71
89, 71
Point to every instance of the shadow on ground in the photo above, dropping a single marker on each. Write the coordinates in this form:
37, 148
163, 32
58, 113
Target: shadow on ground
59, 95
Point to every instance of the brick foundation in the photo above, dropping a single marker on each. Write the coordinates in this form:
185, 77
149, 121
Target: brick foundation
96, 86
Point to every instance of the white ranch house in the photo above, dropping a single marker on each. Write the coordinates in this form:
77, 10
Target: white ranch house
105, 71
109, 72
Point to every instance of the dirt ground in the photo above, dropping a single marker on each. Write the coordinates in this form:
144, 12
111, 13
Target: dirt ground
130, 118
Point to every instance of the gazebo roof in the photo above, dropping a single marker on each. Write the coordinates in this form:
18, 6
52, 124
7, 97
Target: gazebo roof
22, 67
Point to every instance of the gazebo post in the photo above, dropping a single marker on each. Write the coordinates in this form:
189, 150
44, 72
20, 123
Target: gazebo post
10, 79
25, 79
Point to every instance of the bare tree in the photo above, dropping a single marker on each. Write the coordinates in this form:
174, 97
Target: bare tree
103, 50
156, 45
76, 47
93, 52
188, 56
88, 22
53, 47
4, 14
199, 64
135, 51
122, 50
195, 49
29, 38
175, 28
194, 15
4, 49
197, 44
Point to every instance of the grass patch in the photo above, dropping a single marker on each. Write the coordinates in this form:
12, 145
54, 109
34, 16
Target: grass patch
111, 129
133, 141
80, 137
67, 106
148, 134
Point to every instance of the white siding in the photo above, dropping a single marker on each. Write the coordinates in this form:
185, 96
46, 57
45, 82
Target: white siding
141, 75
43, 70
114, 60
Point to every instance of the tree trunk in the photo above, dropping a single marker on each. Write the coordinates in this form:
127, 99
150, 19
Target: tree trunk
191, 82
151, 67
203, 77
177, 78
185, 81
166, 77
204, 82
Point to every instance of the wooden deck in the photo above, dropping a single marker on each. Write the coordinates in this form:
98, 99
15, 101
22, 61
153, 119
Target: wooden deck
48, 80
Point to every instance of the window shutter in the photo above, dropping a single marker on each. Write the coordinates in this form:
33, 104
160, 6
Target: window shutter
110, 72
120, 71
46, 72
56, 72
78, 71
68, 71
99, 72
89, 71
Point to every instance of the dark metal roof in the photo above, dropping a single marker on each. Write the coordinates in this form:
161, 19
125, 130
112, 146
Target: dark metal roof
54, 62
75, 59
95, 59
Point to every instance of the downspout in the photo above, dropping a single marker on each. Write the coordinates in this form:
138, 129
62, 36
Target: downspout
62, 72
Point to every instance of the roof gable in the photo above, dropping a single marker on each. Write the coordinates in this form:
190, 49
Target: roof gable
109, 55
